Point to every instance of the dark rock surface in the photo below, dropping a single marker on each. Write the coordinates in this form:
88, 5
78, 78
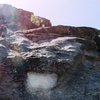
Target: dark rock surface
71, 53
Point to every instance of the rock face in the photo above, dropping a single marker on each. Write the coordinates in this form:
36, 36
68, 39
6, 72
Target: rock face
16, 19
50, 63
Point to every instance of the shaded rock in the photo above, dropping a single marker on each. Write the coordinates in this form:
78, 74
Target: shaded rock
8, 88
97, 39
19, 43
74, 60
2, 71
3, 41
56, 56
3, 53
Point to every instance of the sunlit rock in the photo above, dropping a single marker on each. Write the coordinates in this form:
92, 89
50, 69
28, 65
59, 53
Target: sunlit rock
15, 18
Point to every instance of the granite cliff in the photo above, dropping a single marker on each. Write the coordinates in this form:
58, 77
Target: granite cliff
43, 62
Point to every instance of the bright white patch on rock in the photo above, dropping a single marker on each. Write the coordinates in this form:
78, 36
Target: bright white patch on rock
37, 81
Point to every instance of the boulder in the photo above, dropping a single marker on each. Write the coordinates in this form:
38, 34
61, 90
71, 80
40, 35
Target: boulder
49, 62
67, 66
57, 57
19, 19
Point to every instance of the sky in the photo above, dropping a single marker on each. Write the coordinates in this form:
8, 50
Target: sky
63, 12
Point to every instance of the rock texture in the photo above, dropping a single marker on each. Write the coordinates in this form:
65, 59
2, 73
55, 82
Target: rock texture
70, 53
16, 19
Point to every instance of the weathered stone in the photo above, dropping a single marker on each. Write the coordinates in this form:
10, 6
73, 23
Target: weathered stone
55, 56
64, 56
83, 32
48, 63
3, 53
16, 19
